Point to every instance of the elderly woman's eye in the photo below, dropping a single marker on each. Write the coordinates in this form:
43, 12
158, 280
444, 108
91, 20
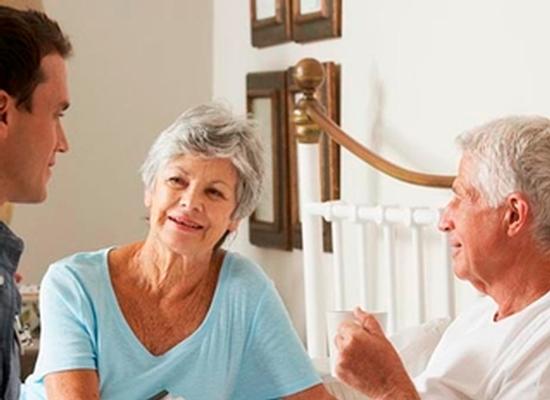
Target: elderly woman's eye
216, 193
175, 180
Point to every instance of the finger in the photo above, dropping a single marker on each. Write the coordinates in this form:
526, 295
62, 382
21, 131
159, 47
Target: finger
371, 324
349, 328
360, 314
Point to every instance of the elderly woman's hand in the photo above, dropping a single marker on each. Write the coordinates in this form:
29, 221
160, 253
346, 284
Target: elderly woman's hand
368, 361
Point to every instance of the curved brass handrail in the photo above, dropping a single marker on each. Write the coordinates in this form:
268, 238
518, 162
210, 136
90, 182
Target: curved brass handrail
310, 120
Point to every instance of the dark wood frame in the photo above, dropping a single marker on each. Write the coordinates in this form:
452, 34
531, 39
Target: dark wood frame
324, 24
270, 31
275, 234
328, 95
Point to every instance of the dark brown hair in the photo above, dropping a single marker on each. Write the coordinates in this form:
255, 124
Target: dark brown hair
25, 38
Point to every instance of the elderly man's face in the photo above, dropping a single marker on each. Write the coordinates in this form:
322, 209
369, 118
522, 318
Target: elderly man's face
476, 232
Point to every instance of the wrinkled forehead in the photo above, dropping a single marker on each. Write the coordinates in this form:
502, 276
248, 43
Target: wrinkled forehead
467, 170
198, 165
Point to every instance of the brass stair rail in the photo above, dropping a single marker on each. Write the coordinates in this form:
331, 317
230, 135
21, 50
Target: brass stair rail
310, 120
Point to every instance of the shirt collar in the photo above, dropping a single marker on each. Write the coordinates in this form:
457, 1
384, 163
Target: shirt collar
11, 245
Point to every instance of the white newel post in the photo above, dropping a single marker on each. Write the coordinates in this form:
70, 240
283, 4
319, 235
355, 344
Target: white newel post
309, 184
309, 75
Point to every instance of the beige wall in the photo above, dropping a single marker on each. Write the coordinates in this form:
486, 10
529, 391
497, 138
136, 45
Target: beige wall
414, 75
137, 65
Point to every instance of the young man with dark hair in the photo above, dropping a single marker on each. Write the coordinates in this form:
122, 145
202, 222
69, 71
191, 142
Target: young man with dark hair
33, 98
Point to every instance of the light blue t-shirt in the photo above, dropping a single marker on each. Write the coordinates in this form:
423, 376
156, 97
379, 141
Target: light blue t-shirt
245, 348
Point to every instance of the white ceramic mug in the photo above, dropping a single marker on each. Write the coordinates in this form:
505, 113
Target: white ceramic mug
334, 319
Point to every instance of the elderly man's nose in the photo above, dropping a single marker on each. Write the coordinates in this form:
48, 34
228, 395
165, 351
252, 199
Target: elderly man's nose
445, 222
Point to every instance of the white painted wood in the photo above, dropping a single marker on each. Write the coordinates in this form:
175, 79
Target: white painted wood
389, 264
338, 270
362, 265
418, 264
314, 290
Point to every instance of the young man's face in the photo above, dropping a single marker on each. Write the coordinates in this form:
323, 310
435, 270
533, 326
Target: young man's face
32, 139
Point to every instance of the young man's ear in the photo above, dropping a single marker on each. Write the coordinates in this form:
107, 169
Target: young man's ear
517, 213
5, 99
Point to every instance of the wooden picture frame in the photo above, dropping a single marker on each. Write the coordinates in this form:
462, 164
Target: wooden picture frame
266, 103
316, 20
270, 22
329, 96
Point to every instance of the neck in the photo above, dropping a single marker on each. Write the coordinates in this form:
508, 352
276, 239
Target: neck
3, 196
518, 287
512, 304
161, 270
4, 181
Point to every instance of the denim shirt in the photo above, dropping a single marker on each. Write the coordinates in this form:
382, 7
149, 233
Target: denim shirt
11, 248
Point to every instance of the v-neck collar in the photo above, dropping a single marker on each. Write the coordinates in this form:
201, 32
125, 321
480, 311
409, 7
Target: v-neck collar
187, 343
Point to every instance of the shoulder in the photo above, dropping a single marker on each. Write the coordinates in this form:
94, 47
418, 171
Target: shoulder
82, 269
245, 271
243, 276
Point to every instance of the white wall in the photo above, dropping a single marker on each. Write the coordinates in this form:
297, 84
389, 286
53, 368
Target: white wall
420, 72
137, 65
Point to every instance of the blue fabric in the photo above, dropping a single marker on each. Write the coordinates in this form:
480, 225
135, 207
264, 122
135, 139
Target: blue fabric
245, 348
11, 248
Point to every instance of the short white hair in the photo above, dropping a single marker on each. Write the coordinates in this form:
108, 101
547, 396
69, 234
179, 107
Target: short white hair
213, 131
512, 154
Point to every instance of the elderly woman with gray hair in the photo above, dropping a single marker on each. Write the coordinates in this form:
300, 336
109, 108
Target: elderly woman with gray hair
175, 314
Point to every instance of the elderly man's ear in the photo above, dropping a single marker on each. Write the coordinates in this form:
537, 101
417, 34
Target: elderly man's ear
517, 213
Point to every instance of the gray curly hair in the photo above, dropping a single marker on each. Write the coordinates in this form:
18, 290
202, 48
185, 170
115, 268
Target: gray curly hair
213, 131
513, 154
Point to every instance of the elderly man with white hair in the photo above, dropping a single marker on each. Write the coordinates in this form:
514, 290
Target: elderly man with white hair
498, 226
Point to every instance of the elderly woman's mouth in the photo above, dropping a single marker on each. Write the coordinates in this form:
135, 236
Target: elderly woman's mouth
184, 222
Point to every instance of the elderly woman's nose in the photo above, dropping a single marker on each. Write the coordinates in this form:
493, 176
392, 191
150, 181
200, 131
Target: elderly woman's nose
191, 198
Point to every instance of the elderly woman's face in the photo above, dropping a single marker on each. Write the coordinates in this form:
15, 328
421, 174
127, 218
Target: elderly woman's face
191, 204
